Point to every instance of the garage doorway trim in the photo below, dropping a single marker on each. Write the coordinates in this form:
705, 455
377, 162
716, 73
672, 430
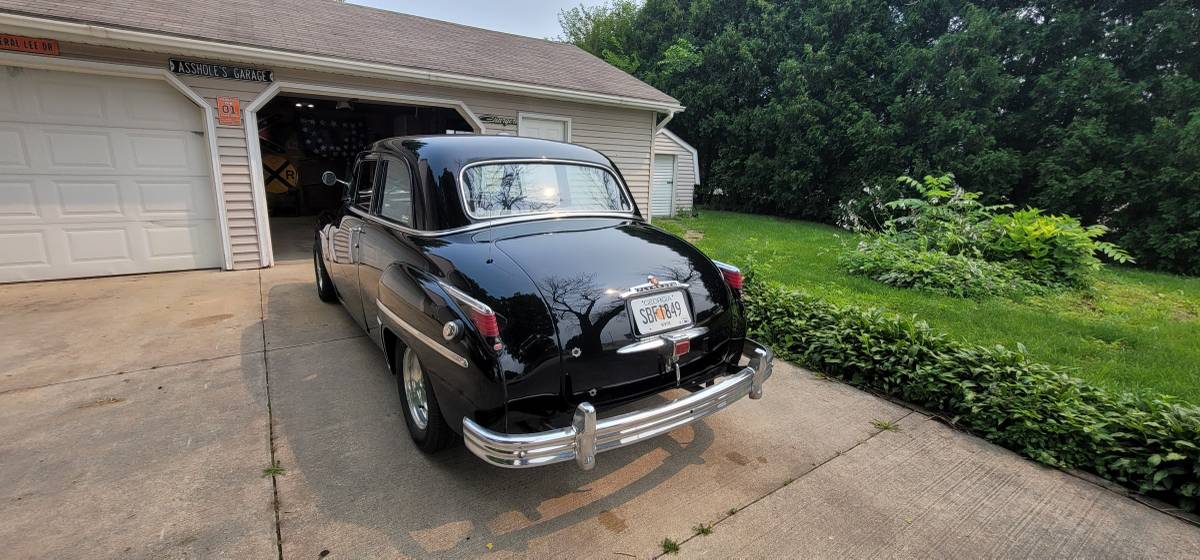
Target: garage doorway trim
266, 252
143, 72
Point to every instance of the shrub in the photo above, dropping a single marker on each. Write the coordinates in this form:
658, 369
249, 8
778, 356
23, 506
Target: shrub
1059, 248
947, 241
901, 266
1147, 443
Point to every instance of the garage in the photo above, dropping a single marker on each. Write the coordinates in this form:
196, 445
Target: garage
101, 175
302, 136
144, 140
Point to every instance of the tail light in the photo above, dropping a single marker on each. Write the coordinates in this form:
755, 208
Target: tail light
485, 321
480, 314
732, 274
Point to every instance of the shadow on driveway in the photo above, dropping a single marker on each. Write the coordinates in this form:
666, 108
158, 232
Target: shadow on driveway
355, 482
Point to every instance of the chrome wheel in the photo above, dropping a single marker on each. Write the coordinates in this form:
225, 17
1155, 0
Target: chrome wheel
415, 394
317, 268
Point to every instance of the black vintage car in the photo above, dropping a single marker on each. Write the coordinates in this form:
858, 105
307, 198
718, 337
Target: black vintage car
517, 292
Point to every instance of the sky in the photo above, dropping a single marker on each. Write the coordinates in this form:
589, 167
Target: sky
532, 18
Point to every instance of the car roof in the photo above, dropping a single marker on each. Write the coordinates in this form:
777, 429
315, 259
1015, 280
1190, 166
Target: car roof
455, 151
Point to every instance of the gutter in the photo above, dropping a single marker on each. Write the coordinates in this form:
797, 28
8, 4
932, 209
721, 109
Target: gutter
170, 44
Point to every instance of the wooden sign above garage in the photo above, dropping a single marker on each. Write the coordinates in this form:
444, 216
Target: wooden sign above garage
225, 72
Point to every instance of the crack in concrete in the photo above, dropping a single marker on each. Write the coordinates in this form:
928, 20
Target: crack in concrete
792, 481
262, 310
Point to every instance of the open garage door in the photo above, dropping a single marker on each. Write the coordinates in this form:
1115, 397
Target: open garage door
101, 175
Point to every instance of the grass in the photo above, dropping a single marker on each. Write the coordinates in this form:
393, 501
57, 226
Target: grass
702, 530
885, 425
1135, 330
274, 470
669, 546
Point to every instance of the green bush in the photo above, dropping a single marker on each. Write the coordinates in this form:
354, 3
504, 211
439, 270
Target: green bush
1147, 443
901, 266
1060, 249
946, 241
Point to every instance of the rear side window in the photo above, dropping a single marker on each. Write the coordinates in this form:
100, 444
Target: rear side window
496, 190
364, 183
396, 196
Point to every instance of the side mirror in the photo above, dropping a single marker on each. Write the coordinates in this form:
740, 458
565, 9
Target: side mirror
329, 180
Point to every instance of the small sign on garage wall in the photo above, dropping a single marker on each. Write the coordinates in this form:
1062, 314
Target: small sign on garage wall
229, 111
223, 71
28, 44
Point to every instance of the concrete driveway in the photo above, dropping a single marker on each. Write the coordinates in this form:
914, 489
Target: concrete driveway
137, 415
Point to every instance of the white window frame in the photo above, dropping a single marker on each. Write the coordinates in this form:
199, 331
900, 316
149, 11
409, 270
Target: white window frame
521, 116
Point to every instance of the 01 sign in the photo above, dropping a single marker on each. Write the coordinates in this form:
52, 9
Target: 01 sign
229, 112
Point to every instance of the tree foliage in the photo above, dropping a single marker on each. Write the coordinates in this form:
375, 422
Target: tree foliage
1090, 109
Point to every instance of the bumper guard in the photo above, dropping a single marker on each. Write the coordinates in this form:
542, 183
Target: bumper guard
587, 436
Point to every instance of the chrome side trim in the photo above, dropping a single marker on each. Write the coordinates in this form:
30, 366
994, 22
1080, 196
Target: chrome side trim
587, 435
660, 340
462, 187
427, 341
463, 298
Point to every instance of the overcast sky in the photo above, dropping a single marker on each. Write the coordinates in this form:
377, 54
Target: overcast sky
534, 18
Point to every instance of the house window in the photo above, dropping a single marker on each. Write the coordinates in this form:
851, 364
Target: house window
546, 127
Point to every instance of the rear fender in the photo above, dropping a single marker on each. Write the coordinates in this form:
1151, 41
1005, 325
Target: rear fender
414, 307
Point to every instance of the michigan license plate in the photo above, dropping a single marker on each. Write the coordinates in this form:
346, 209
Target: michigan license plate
660, 312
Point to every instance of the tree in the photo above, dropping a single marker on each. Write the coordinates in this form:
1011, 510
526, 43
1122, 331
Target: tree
1086, 108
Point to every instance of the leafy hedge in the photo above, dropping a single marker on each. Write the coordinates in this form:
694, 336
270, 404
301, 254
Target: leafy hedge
1146, 443
901, 266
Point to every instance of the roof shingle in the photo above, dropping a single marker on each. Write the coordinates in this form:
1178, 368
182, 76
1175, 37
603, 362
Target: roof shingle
336, 29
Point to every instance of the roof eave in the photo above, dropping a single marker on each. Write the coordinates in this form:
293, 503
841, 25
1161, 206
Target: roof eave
173, 44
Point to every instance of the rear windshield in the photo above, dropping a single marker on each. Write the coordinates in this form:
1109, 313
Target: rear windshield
512, 189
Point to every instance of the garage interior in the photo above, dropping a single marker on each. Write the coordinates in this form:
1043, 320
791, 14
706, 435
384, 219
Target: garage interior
301, 137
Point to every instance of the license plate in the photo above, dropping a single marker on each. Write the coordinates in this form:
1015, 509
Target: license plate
660, 312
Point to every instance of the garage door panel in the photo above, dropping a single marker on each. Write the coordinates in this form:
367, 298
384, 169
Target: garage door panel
186, 241
154, 108
75, 150
24, 249
89, 199
13, 155
101, 175
176, 199
177, 152
97, 244
62, 100
17, 200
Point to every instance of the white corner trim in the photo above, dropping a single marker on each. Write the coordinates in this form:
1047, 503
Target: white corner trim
114, 69
690, 149
157, 42
266, 252
522, 115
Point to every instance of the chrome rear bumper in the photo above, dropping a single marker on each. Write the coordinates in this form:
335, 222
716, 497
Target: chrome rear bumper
588, 436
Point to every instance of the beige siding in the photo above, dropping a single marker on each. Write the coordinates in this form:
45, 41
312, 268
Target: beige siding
685, 172
622, 134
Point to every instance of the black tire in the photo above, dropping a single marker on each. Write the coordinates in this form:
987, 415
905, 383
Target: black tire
325, 289
431, 433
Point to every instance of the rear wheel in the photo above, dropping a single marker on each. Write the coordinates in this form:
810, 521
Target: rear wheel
325, 289
426, 424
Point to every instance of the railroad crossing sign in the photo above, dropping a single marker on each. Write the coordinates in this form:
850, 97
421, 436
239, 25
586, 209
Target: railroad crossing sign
279, 174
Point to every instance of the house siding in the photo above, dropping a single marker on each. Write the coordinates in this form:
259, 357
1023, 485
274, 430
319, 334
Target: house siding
624, 135
685, 166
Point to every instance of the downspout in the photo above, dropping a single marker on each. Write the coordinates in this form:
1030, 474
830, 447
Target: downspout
658, 128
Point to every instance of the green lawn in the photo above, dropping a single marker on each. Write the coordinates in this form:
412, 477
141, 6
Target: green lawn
1135, 330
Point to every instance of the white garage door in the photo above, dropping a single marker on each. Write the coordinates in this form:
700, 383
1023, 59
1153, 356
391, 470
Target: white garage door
101, 175
662, 194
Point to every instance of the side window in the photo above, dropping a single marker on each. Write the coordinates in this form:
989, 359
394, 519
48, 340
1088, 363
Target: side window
397, 194
364, 183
